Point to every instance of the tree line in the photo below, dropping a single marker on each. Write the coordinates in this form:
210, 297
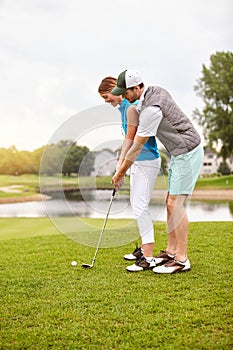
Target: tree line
65, 157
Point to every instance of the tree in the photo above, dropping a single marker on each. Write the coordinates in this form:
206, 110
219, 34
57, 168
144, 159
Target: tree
36, 156
52, 159
215, 87
224, 169
78, 160
10, 161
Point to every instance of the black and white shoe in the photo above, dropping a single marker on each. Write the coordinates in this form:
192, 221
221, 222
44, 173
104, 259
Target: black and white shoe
137, 254
173, 266
163, 257
141, 265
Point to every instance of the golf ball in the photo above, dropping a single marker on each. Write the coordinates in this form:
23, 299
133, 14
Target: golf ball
74, 263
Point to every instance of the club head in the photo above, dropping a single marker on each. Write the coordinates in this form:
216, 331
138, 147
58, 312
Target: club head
87, 266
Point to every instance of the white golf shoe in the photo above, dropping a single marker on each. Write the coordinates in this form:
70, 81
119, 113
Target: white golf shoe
141, 265
163, 257
173, 266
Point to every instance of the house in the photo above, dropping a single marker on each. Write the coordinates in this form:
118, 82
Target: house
212, 161
105, 163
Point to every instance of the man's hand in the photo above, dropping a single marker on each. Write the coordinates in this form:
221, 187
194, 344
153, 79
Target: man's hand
132, 154
117, 181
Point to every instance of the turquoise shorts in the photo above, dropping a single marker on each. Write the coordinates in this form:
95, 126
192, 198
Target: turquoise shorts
184, 171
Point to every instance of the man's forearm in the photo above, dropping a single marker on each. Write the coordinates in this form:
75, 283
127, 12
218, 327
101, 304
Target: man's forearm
127, 144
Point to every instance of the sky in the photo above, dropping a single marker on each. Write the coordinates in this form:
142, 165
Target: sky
54, 54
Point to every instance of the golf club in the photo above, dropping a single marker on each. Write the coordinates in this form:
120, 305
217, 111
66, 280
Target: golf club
87, 266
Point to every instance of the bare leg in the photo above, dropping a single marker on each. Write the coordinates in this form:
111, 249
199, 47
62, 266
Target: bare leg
171, 245
177, 226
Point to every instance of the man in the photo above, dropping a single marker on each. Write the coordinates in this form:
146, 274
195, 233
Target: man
160, 116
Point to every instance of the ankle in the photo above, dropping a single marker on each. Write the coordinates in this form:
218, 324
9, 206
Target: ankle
148, 258
171, 251
181, 258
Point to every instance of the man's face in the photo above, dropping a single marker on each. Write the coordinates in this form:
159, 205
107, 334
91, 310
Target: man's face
132, 94
110, 98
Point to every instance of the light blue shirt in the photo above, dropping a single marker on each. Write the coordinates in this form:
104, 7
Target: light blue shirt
150, 149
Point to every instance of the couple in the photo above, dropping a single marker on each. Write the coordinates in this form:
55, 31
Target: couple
146, 113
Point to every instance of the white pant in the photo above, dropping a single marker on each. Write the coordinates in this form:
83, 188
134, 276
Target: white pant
142, 179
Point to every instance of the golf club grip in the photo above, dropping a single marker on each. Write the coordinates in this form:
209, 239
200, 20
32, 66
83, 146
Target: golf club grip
113, 192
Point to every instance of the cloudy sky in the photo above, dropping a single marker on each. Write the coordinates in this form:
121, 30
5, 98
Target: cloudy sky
54, 53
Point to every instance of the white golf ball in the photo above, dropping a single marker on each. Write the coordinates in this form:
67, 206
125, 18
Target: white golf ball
74, 263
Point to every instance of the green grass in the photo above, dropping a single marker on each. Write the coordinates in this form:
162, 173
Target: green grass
218, 183
48, 304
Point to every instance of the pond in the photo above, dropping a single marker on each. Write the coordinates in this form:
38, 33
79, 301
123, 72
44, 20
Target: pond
95, 205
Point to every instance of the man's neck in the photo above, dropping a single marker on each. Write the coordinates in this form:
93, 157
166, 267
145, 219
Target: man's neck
143, 90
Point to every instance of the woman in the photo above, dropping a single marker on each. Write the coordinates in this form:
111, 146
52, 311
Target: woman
143, 174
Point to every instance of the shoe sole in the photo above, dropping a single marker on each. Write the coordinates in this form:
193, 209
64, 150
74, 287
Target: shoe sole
172, 273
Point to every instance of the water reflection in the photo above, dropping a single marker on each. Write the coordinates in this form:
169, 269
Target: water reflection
96, 203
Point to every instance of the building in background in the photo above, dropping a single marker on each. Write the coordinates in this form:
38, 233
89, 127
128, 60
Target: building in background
212, 161
105, 163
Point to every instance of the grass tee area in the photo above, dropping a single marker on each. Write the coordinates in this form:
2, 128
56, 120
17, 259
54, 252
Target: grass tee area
48, 304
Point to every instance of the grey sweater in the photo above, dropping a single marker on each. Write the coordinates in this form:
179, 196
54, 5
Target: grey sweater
175, 131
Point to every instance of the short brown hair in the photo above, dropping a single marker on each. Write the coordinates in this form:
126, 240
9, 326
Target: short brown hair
107, 84
140, 85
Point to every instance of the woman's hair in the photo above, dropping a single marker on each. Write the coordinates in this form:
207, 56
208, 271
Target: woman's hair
107, 84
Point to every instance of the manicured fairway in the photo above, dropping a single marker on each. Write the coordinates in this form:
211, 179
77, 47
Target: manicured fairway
48, 304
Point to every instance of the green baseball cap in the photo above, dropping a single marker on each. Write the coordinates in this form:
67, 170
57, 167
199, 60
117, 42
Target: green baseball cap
126, 80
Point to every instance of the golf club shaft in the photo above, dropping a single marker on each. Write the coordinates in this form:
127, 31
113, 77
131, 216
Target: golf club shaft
105, 222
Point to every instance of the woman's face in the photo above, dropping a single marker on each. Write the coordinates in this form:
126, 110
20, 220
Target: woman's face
110, 98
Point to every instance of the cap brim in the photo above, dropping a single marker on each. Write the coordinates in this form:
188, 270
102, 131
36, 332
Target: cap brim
117, 91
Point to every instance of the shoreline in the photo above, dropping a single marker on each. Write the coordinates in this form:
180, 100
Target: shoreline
197, 194
31, 198
213, 194
201, 194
